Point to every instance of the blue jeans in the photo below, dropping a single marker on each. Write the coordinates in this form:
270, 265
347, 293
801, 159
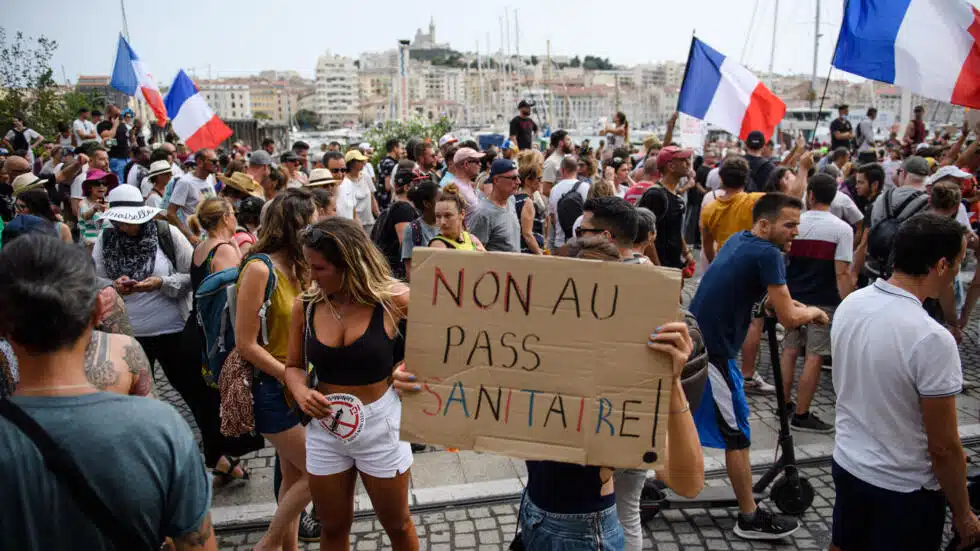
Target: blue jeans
544, 531
117, 166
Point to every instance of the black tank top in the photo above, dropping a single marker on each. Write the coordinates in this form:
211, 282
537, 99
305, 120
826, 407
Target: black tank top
367, 360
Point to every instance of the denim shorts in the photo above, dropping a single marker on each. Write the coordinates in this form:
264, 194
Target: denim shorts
272, 414
544, 531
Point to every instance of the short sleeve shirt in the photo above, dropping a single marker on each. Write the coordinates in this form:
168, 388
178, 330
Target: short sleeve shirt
726, 217
738, 278
523, 129
408, 238
497, 227
882, 339
551, 166
156, 482
189, 191
839, 125
823, 241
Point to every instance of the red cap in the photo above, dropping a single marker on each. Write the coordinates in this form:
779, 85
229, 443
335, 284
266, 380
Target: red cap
670, 153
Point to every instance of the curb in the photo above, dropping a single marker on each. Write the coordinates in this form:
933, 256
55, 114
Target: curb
423, 500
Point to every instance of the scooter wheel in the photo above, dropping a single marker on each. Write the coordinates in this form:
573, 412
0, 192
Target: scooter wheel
788, 500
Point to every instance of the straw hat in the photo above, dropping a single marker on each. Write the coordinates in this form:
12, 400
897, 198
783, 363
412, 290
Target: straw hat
242, 182
126, 206
159, 167
26, 182
321, 177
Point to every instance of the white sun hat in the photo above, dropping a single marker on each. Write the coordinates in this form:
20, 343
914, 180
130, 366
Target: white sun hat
126, 205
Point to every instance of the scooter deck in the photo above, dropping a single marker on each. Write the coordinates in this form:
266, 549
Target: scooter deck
712, 496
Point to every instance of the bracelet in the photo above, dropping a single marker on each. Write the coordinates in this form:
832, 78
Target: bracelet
687, 407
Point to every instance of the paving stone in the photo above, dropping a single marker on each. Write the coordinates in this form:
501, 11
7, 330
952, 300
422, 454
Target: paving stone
489, 536
456, 514
479, 512
490, 523
464, 540
366, 545
463, 526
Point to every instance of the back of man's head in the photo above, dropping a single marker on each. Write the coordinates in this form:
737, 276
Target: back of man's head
923, 240
569, 166
47, 293
650, 169
945, 196
821, 188
841, 154
771, 205
616, 216
734, 173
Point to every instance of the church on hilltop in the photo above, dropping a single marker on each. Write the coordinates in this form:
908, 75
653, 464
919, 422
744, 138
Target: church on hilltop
425, 47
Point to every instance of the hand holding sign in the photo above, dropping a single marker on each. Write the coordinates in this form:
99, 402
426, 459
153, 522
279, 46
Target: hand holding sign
313, 403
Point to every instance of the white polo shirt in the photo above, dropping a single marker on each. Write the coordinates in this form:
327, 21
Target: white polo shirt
888, 353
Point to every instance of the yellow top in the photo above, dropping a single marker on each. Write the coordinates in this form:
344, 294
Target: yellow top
724, 217
278, 314
465, 243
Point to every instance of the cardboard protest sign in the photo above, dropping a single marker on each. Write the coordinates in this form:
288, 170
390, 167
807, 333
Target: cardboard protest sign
539, 357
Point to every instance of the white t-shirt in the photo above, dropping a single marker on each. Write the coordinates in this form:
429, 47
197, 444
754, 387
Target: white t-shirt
557, 192
714, 179
84, 126
363, 189
346, 199
65, 141
552, 165
189, 190
154, 199
962, 217
888, 353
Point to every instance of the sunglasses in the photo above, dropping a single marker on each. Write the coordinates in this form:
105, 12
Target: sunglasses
580, 231
340, 170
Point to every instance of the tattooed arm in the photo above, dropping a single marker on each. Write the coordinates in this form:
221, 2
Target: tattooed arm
115, 319
200, 539
99, 369
139, 369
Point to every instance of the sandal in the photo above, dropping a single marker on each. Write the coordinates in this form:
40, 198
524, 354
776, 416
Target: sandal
236, 469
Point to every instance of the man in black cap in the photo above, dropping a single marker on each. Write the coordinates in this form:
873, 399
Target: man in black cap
841, 133
760, 166
522, 128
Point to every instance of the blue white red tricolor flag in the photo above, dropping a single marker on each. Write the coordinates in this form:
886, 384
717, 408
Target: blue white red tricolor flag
129, 75
192, 118
927, 46
719, 91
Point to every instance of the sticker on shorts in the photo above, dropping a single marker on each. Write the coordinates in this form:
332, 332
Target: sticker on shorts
347, 418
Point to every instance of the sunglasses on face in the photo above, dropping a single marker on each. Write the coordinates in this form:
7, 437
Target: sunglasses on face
340, 170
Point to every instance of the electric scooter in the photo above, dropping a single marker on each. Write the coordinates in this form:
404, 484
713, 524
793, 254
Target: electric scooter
792, 493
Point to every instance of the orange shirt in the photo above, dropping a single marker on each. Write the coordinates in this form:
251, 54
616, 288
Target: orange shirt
726, 216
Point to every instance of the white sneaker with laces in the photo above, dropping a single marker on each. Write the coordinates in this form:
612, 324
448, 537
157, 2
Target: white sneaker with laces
757, 385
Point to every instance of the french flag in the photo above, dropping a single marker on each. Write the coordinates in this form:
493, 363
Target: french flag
927, 46
719, 91
192, 118
129, 75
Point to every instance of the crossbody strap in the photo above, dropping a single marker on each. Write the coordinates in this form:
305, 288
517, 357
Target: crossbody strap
64, 468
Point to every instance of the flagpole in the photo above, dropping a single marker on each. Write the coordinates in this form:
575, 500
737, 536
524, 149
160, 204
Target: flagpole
687, 67
826, 84
122, 6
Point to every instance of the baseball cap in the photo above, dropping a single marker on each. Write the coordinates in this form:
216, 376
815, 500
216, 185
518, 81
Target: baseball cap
447, 139
260, 158
501, 166
289, 157
672, 152
525, 103
949, 171
916, 165
354, 155
465, 153
366, 147
755, 140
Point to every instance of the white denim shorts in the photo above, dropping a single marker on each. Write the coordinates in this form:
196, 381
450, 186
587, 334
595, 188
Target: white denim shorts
362, 436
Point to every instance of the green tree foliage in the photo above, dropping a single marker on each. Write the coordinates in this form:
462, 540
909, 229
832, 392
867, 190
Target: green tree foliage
414, 128
27, 86
597, 63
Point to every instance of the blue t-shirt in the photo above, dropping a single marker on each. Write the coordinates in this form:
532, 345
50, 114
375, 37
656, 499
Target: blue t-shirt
738, 278
137, 453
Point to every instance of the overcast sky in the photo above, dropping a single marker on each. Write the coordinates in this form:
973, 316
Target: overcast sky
245, 36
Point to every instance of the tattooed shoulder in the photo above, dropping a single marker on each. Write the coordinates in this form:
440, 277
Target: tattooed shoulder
200, 537
116, 319
139, 367
99, 369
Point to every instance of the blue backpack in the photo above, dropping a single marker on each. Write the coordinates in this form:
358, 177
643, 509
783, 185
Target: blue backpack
216, 298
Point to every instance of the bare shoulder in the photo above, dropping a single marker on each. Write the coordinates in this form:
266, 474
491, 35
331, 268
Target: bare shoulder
132, 365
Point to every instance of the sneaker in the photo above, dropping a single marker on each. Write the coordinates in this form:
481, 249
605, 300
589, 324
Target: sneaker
808, 422
790, 408
417, 448
309, 527
757, 385
765, 526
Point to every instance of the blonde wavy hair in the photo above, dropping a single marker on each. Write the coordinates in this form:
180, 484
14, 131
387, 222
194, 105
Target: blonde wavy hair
367, 278
209, 214
601, 188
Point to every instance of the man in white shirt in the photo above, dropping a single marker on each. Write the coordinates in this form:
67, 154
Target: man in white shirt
83, 128
346, 200
191, 189
568, 172
20, 137
898, 458
562, 144
865, 135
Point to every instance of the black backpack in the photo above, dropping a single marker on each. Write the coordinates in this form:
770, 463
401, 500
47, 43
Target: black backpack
570, 206
20, 140
881, 238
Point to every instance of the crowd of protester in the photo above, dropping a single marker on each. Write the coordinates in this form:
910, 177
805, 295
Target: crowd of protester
119, 254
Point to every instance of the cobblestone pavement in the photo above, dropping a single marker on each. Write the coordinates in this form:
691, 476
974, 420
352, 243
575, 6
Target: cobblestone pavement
493, 527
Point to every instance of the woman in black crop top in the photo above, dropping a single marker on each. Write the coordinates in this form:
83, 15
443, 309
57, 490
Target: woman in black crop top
345, 329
